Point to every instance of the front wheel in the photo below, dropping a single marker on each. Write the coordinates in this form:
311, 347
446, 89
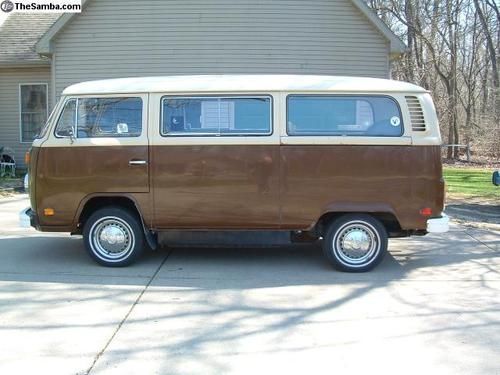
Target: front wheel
355, 243
113, 237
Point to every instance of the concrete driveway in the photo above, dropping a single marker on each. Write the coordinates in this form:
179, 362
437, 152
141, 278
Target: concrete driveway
432, 307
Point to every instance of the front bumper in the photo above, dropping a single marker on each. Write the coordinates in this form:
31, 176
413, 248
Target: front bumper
438, 224
28, 218
26, 183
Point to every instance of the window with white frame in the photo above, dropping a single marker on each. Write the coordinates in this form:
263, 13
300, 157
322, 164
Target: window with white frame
216, 116
101, 117
33, 105
343, 115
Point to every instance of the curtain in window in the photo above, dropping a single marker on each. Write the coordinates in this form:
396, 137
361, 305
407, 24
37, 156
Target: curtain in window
33, 110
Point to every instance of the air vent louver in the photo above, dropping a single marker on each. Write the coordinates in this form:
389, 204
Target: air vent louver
416, 114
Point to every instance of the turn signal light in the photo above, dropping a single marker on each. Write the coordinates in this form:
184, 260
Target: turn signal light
427, 211
27, 158
48, 211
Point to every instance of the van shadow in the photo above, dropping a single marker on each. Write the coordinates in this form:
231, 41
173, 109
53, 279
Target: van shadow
63, 259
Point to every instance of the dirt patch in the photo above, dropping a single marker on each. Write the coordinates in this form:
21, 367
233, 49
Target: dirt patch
10, 187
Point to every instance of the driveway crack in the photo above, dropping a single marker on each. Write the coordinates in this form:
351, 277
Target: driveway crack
115, 332
478, 240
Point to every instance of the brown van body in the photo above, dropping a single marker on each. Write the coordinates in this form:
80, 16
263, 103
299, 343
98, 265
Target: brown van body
275, 180
349, 160
284, 187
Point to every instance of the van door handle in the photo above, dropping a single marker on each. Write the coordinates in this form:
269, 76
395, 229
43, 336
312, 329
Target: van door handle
137, 162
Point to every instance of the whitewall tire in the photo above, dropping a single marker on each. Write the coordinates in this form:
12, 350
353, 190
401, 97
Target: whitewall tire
355, 242
113, 237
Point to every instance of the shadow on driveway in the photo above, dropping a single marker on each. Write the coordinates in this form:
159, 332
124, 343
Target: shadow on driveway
204, 306
476, 212
63, 259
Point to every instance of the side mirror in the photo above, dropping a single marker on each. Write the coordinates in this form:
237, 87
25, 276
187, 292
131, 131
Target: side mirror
496, 178
66, 132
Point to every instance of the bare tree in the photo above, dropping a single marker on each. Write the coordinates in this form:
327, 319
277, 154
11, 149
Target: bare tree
453, 49
492, 49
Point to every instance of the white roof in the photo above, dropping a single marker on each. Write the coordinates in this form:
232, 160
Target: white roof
240, 83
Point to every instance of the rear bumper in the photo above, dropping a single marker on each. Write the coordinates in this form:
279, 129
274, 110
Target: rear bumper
438, 224
28, 218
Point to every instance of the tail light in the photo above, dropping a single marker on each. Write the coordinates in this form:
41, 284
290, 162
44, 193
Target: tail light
426, 211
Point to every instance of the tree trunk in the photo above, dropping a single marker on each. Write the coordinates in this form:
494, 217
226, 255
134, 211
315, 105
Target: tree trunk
493, 57
449, 151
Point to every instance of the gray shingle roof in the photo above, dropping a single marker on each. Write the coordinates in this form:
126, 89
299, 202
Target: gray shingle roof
19, 34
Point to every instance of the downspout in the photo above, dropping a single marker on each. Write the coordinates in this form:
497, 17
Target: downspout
53, 78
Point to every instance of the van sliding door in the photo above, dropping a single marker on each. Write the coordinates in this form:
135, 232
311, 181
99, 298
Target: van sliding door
216, 163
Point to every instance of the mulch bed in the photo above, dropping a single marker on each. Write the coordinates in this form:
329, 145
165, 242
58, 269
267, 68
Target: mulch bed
483, 163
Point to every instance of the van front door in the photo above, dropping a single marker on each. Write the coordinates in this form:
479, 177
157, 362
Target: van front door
99, 147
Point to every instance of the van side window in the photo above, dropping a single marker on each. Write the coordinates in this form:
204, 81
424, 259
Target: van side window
216, 116
67, 121
109, 117
336, 115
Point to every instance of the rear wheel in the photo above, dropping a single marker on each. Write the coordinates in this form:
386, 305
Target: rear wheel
355, 243
113, 237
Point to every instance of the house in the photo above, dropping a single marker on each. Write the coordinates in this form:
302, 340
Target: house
41, 54
25, 81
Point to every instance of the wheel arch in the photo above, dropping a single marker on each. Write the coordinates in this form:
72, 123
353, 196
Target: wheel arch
383, 212
95, 201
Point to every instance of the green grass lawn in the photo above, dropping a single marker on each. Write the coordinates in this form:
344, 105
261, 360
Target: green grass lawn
468, 182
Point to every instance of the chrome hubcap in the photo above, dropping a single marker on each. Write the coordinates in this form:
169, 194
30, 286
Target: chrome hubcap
356, 243
111, 238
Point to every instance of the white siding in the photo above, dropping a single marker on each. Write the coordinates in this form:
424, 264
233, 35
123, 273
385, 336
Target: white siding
137, 38
10, 79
